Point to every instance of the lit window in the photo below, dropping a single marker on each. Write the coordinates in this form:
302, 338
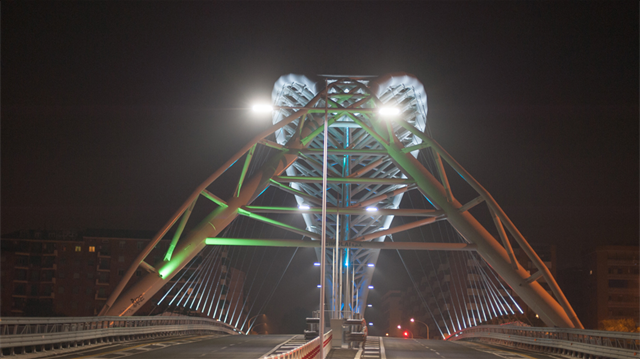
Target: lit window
78, 249
92, 248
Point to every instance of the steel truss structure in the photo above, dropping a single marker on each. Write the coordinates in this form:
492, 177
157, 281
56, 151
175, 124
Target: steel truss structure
372, 161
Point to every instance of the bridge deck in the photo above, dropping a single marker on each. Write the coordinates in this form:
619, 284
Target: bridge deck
255, 346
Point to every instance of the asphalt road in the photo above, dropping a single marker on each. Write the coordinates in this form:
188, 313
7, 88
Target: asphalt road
398, 348
227, 347
255, 346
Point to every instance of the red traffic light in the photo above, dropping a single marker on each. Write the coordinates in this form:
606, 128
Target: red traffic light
406, 334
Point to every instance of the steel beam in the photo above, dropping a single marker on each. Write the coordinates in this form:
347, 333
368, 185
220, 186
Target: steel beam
550, 311
420, 246
359, 180
410, 212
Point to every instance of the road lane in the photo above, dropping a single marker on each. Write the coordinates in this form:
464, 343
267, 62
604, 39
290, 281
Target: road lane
399, 348
186, 347
227, 347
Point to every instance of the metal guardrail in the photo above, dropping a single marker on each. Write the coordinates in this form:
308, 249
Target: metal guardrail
308, 351
73, 331
575, 342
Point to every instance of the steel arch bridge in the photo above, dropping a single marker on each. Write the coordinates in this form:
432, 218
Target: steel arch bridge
372, 161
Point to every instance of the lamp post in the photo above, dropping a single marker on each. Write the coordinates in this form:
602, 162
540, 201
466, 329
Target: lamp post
323, 237
425, 324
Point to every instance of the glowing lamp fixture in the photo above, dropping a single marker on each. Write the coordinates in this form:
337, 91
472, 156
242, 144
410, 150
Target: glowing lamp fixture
412, 320
372, 209
399, 327
389, 111
369, 305
304, 207
370, 264
319, 285
370, 324
317, 264
370, 287
261, 107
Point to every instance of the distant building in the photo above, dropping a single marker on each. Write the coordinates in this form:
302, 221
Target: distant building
612, 284
392, 312
72, 273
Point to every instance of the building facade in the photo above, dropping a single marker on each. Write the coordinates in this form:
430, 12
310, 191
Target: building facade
613, 283
72, 273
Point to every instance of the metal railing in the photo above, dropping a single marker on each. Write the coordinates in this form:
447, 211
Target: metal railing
579, 343
35, 334
308, 351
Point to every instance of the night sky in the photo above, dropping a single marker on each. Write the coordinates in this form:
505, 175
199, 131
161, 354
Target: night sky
113, 112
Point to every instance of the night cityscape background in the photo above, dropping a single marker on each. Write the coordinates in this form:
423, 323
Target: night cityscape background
112, 113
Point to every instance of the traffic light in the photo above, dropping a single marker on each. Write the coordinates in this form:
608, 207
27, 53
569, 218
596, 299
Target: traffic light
406, 334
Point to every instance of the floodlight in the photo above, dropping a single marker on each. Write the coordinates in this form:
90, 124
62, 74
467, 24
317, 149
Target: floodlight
262, 107
304, 207
389, 111
372, 209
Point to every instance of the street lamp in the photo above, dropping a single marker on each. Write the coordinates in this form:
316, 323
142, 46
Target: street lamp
261, 107
425, 324
389, 111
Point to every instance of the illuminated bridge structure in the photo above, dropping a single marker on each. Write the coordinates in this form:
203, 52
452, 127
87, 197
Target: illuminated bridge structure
379, 150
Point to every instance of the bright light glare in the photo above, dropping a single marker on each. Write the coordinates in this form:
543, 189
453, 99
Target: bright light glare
370, 287
389, 111
319, 285
370, 324
304, 207
370, 265
369, 305
412, 320
261, 107
372, 209
399, 327
317, 264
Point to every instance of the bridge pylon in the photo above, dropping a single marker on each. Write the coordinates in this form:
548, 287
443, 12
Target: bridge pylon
376, 136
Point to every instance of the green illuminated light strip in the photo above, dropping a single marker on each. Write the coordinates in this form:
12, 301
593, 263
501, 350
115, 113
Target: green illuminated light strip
343, 244
278, 224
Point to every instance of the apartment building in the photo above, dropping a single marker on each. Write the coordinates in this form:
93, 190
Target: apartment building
72, 273
613, 285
